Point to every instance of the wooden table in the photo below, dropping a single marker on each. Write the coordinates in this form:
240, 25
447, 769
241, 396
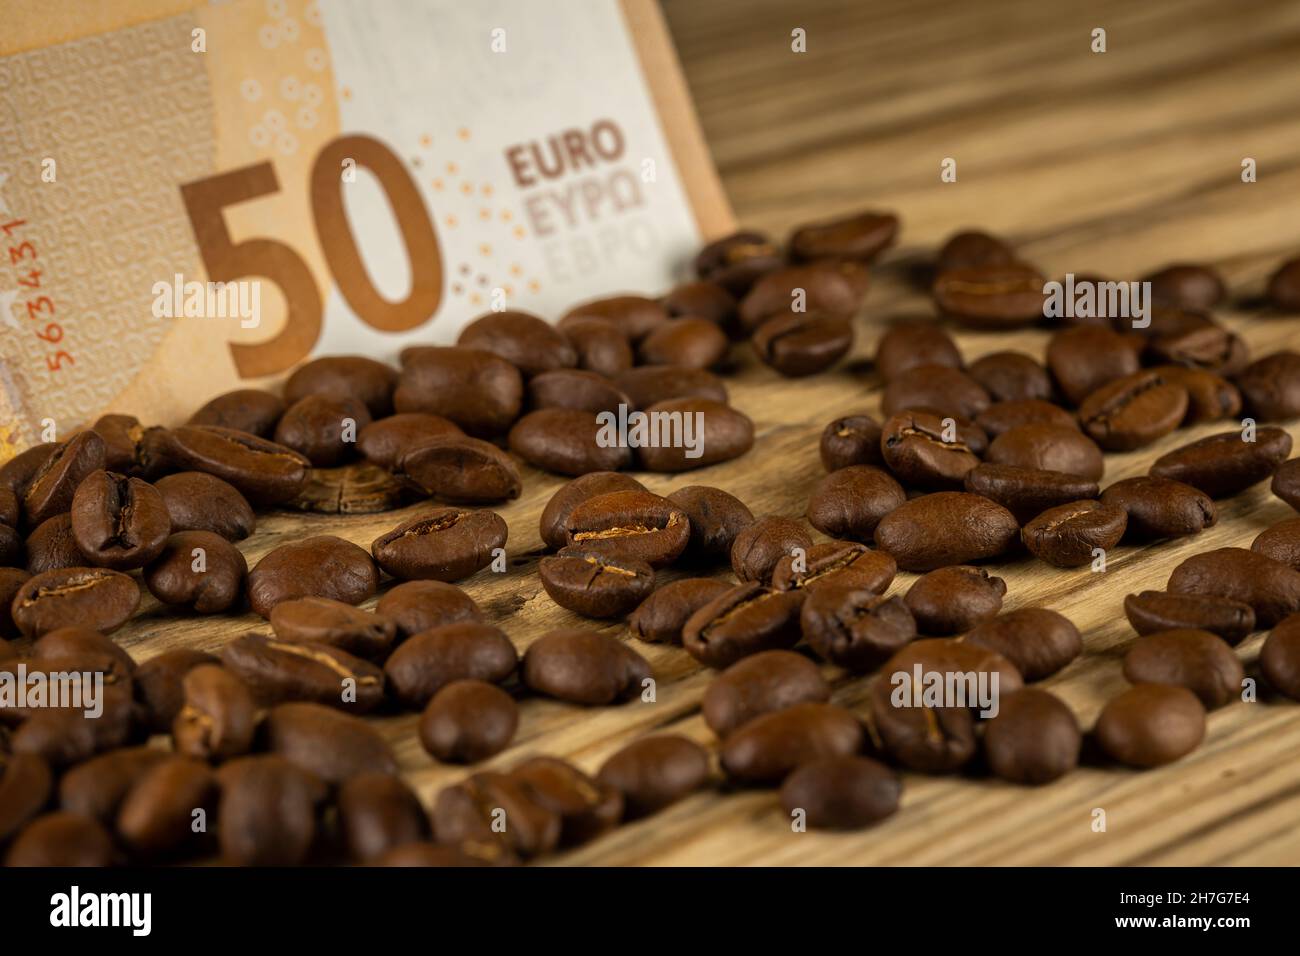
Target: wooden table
1113, 163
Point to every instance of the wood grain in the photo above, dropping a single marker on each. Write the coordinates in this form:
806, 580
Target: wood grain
1114, 163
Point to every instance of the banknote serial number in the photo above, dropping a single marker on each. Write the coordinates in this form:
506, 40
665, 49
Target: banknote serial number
24, 257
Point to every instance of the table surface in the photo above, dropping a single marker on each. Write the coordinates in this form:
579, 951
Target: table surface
1112, 163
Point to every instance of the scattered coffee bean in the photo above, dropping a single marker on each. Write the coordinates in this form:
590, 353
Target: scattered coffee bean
16, 474
935, 388
1270, 386
267, 811
804, 343
830, 288
1151, 724
853, 440
25, 787
378, 812
68, 737
922, 738
51, 487
1161, 507
52, 545
1034, 739
159, 685
687, 342
329, 745
322, 429
991, 296
1285, 483
948, 656
841, 793
836, 564
928, 451
157, 815
634, 315
1279, 658
860, 236
707, 300
385, 440
972, 249
584, 667
126, 452
595, 584
1068, 536
1048, 448
1084, 358
586, 807
464, 814
119, 522
248, 410
197, 501
566, 441
96, 788
1198, 660
633, 525
320, 620
1012, 377
909, 345
947, 527
280, 671
600, 346
854, 629
851, 502
1281, 542
1284, 286
1001, 417
1152, 611
468, 721
1028, 492
444, 545
737, 261
576, 389
768, 748
651, 384
422, 605
1186, 286
654, 772
432, 659
757, 549
759, 684
319, 566
1268, 586
717, 433
1133, 411
1210, 347
96, 598
478, 391
345, 376
216, 721
661, 617
61, 839
953, 600
266, 473
198, 570
1037, 641
563, 502
529, 343
716, 518
460, 469
741, 621
1224, 465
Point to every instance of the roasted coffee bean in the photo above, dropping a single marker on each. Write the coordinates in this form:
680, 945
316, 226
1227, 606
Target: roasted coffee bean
1285, 483
124, 448
61, 839
1161, 507
96, 788
422, 605
1281, 542
1068, 536
216, 721
709, 432
51, 546
468, 721
836, 563
460, 469
320, 620
323, 429
1210, 397
599, 344
197, 501
768, 748
319, 566
954, 599
760, 684
1034, 738
1284, 286
705, 300
991, 296
16, 474
654, 772
829, 288
1170, 321
345, 376
651, 384
432, 659
65, 737
11, 581
757, 549
96, 598
1001, 417
385, 440
634, 525
1084, 358
841, 793
928, 451
1048, 448
246, 409
661, 617
51, 487
157, 815
267, 811
1210, 347
10, 510
947, 527
804, 343
264, 472
89, 649
586, 807
378, 812
576, 389
1037, 641
1151, 724
198, 570
477, 390
908, 345
1198, 660
595, 584
851, 502
1133, 411
464, 814
855, 629
281, 671
584, 667
852, 440
325, 743
859, 236
716, 518
634, 315
1268, 586
741, 621
1270, 386
1279, 658
1152, 611
737, 261
1224, 465
580, 489
567, 441
444, 545
119, 522
159, 685
1012, 377
972, 249
1186, 286
1027, 492
25, 786
935, 388
688, 342
529, 343
358, 488
11, 547
948, 656
919, 737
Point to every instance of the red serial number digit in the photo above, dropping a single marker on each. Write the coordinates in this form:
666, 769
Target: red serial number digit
35, 307
55, 361
24, 250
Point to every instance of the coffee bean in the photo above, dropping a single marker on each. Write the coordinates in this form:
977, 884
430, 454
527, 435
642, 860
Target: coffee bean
1198, 660
158, 814
96, 788
16, 474
11, 581
757, 549
1012, 377
89, 649
851, 502
1279, 659
1170, 322
1281, 542
264, 472
972, 249
1187, 286
633, 525
1210, 347
422, 605
25, 787
1037, 641
280, 671
1210, 397
319, 566
586, 807
51, 487
267, 811
599, 344
1068, 536
1084, 358
954, 599
322, 429
580, 489
935, 388
652, 384
465, 814
159, 685
854, 629
357, 488
906, 346
52, 545
1284, 286
760, 684
444, 545
345, 376
741, 621
432, 659
584, 667
654, 772
1001, 417
737, 261
595, 584
529, 343
841, 793
922, 738
661, 617
947, 527
61, 839
768, 748
566, 441
1048, 448
717, 433
1034, 738
325, 743
67, 737
829, 288
468, 721
324, 621
460, 469
716, 518
385, 440
1027, 492
928, 451
859, 236
1224, 465
1151, 724
836, 564
1133, 411
1268, 586
1270, 386
991, 296
96, 598
217, 719
705, 300
852, 440
249, 410
475, 389
687, 342
126, 450
949, 656
378, 812
1285, 483
10, 510
200, 502
1152, 611
576, 389
634, 315
1161, 507
11, 547
119, 522
198, 570
804, 343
